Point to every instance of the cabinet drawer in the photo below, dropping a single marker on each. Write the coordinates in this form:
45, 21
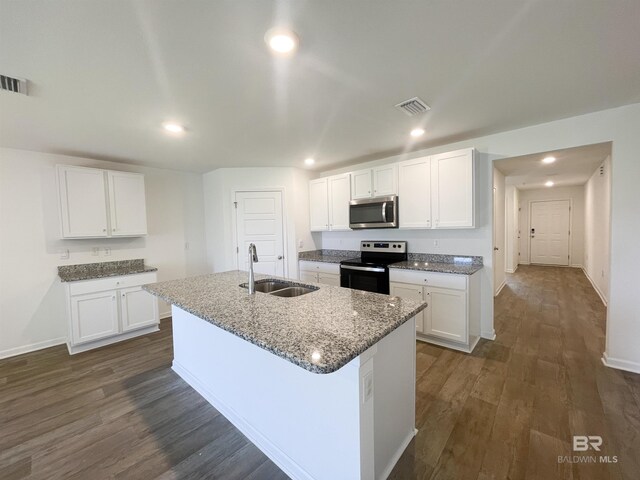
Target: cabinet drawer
111, 283
444, 280
320, 267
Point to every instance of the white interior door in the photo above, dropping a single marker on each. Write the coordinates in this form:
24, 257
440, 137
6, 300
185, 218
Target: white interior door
259, 221
549, 232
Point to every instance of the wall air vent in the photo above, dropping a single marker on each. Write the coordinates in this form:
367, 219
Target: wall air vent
413, 106
10, 84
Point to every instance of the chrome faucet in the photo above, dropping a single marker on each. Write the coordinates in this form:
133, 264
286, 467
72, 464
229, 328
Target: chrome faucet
253, 257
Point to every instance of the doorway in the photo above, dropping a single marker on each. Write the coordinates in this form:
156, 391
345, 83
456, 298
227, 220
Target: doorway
259, 220
549, 231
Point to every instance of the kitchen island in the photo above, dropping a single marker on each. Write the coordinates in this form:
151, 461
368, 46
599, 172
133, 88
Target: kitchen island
322, 383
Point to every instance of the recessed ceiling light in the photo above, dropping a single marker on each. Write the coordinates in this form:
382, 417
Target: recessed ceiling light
309, 161
549, 184
548, 159
281, 40
417, 132
173, 127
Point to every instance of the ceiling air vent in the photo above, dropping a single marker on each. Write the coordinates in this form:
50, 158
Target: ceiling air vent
10, 84
413, 106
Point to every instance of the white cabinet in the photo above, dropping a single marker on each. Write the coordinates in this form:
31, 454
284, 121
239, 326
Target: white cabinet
108, 310
83, 202
411, 292
385, 180
319, 272
329, 203
452, 316
127, 204
452, 189
414, 197
376, 182
94, 316
318, 205
100, 203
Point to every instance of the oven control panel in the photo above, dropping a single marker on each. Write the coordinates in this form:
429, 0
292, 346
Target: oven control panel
383, 246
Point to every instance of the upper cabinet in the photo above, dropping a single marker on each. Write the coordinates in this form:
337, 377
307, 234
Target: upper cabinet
329, 203
375, 182
452, 189
414, 199
127, 206
98, 203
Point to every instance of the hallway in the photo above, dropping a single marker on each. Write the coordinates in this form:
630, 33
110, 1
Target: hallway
510, 409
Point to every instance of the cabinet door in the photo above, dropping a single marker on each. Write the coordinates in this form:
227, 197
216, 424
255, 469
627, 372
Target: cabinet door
414, 193
94, 316
127, 204
452, 187
308, 276
83, 202
410, 292
361, 184
446, 315
318, 205
339, 196
329, 279
385, 180
138, 309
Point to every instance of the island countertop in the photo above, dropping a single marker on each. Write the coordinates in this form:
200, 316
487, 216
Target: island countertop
320, 331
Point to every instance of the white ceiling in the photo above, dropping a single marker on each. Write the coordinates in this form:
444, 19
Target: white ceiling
573, 166
105, 75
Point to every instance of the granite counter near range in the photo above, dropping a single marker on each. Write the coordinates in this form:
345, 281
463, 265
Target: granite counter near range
89, 271
328, 256
320, 331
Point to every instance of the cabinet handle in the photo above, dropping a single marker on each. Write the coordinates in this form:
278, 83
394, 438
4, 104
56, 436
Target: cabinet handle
104, 229
123, 295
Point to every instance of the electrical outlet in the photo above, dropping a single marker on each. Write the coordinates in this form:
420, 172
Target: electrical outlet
367, 387
435, 243
107, 251
64, 254
186, 245
300, 243
95, 251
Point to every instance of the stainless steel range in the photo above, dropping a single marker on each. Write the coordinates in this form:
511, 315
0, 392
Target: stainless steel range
370, 272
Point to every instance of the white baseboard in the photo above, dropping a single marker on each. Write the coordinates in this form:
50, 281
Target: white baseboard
620, 364
277, 456
398, 454
489, 335
504, 282
83, 347
595, 287
12, 352
508, 270
166, 314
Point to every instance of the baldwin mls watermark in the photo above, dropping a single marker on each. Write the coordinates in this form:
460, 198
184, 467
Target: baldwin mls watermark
585, 443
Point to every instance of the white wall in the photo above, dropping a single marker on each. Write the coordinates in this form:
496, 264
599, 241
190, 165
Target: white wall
512, 247
598, 229
31, 303
499, 220
576, 239
619, 125
219, 188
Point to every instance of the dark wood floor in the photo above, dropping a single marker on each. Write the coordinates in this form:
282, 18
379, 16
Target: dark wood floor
506, 411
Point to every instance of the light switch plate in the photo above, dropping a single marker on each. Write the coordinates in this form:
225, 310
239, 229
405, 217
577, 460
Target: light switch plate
64, 254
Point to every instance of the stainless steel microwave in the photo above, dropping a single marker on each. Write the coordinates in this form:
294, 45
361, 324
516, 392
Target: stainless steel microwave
379, 212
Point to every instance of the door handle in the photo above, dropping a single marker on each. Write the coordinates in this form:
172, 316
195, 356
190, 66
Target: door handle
384, 212
280, 257
496, 248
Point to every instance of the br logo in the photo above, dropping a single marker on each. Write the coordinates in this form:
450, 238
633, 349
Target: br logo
582, 443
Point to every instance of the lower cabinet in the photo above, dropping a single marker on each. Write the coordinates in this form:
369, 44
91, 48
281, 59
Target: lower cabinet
320, 272
108, 310
452, 316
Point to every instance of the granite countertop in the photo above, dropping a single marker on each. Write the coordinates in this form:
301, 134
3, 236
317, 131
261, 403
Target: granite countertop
462, 268
89, 271
320, 331
328, 256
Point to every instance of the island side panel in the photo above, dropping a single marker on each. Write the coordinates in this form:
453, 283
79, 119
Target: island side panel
394, 367
313, 426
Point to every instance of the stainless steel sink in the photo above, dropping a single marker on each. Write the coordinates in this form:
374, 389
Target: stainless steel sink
281, 288
292, 291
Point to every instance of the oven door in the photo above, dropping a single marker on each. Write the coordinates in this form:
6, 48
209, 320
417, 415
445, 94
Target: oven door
370, 279
380, 212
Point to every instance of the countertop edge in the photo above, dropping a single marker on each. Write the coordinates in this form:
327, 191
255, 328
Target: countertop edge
118, 274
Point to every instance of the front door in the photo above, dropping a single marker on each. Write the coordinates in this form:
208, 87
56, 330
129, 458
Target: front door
259, 221
549, 232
